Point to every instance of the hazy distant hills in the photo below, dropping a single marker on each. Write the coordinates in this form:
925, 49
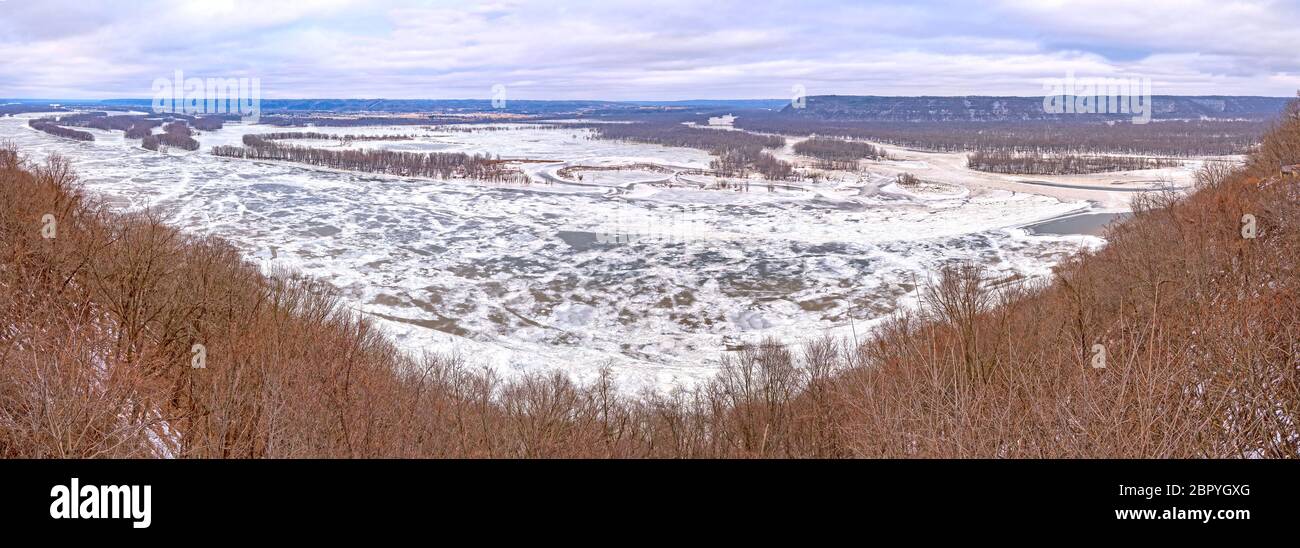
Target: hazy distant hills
817, 107
747, 104
393, 106
451, 106
990, 109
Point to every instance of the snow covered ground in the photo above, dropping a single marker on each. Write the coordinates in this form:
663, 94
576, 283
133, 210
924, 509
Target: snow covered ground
653, 282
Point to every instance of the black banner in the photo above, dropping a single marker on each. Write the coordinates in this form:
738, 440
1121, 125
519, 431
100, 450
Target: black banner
311, 498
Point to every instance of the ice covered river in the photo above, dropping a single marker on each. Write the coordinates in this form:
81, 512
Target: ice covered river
654, 282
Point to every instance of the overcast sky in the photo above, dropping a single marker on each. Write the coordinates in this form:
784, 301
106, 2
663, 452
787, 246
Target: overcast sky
651, 50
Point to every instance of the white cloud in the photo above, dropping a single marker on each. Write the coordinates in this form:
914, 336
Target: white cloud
635, 50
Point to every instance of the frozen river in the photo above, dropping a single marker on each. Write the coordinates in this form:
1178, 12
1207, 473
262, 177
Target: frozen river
653, 282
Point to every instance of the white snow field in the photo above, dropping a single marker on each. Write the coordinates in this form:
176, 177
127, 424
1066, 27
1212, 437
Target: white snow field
652, 281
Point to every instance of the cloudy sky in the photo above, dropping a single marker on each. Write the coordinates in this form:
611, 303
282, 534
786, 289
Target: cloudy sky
652, 50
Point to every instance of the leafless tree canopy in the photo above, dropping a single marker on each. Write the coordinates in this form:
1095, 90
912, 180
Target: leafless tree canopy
838, 153
443, 165
52, 128
679, 135
1160, 138
300, 120
176, 133
1032, 163
738, 153
313, 135
741, 161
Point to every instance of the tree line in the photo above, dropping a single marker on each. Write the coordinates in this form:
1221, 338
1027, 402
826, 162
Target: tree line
741, 161
299, 120
715, 141
442, 165
1032, 163
738, 153
12, 110
177, 128
128, 123
211, 123
837, 153
49, 126
175, 134
313, 135
1163, 138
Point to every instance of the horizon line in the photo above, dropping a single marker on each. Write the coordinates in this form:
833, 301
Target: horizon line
145, 99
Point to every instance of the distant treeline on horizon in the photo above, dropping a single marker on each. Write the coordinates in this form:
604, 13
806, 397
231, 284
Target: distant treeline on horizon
837, 107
